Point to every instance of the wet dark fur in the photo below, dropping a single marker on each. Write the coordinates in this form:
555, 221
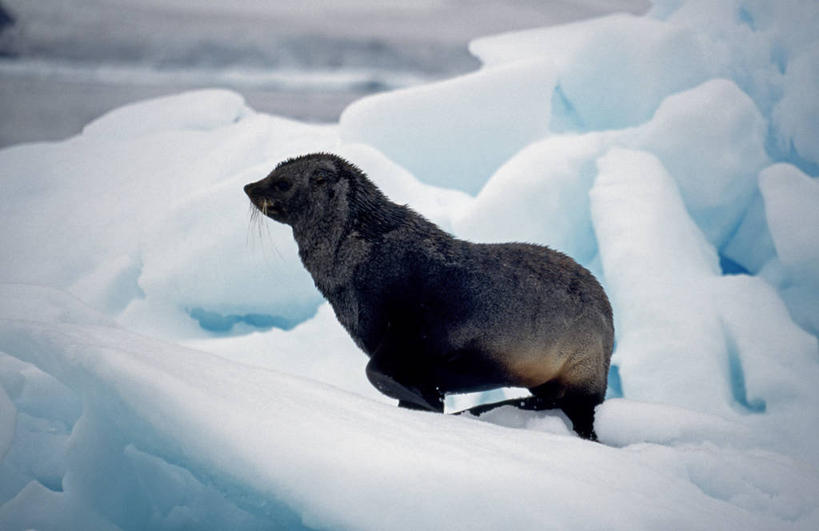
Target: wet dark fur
437, 314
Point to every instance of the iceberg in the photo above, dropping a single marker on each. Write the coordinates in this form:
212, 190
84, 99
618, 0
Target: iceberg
166, 362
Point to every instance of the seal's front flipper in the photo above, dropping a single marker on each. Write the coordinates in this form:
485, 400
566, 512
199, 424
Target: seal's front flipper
407, 395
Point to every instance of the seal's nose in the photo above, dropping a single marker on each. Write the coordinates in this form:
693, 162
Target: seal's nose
249, 189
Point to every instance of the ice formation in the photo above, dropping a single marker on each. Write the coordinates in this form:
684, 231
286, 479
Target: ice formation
165, 362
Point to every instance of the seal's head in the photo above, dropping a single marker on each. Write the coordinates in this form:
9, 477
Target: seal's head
299, 188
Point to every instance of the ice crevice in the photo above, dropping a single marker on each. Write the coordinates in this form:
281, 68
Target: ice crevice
737, 375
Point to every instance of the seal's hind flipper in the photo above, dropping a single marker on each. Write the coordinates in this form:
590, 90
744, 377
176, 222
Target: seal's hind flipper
580, 411
529, 403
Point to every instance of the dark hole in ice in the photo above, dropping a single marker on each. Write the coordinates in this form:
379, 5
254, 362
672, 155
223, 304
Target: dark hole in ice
729, 267
737, 376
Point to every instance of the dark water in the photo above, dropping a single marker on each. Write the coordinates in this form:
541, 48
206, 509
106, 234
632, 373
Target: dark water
63, 64
36, 109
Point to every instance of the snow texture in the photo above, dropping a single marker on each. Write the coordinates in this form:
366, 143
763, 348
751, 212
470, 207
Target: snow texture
166, 363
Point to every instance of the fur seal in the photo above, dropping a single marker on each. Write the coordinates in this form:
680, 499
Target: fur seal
436, 314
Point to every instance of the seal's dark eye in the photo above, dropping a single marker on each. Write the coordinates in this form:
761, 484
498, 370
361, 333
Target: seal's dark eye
282, 185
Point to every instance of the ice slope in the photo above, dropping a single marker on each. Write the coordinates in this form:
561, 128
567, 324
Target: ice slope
167, 363
167, 437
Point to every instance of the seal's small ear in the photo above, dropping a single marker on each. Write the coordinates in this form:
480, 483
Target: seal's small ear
325, 172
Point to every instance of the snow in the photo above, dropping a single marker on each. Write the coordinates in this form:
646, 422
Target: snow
790, 199
649, 246
539, 195
599, 61
711, 138
203, 110
166, 363
297, 446
797, 109
430, 130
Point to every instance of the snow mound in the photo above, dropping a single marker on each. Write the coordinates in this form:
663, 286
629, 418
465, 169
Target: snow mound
446, 133
790, 199
224, 442
539, 195
638, 212
198, 110
798, 109
711, 138
598, 62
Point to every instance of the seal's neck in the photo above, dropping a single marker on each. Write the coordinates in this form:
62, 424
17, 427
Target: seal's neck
372, 215
335, 239
321, 241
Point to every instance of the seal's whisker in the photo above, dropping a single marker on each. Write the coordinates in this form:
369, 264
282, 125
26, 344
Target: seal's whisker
255, 222
250, 221
257, 225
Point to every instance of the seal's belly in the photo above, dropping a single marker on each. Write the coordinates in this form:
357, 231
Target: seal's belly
530, 366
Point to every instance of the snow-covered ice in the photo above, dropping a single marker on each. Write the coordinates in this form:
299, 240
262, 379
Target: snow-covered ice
428, 129
166, 363
170, 437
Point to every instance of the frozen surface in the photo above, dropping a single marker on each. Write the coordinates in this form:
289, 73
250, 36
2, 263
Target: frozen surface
166, 363
634, 196
171, 437
790, 199
429, 129
598, 62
